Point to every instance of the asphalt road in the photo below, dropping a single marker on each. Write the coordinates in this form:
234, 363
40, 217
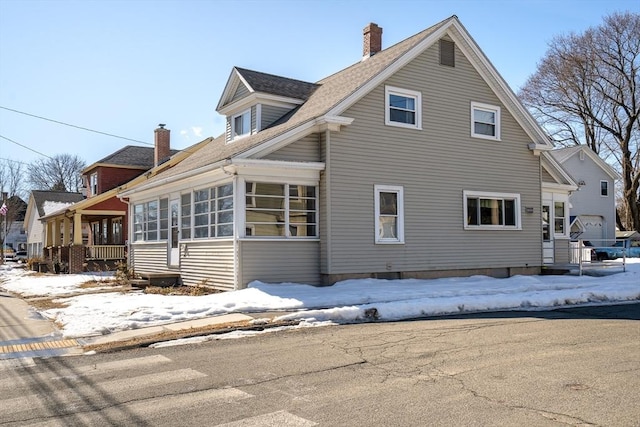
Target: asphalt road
577, 367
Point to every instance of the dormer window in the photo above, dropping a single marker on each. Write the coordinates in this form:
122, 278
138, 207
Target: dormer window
241, 124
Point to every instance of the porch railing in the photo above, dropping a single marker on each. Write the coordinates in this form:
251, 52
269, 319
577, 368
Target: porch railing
105, 252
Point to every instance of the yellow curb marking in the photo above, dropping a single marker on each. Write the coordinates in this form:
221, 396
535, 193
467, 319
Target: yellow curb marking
45, 345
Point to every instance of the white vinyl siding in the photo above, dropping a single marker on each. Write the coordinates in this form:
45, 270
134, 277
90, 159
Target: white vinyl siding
485, 121
403, 107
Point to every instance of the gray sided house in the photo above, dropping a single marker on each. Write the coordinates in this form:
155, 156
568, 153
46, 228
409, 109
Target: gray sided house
593, 205
416, 161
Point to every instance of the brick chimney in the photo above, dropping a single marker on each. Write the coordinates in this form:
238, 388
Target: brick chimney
372, 40
162, 145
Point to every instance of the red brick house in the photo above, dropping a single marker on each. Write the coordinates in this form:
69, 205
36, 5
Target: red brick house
102, 212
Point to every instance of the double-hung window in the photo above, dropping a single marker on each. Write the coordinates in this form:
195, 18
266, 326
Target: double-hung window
281, 210
389, 214
241, 124
559, 219
604, 188
93, 183
403, 107
485, 121
491, 210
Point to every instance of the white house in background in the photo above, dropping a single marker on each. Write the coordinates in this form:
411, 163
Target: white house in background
42, 203
593, 205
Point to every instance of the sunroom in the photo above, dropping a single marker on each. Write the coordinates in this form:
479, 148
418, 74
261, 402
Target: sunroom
244, 220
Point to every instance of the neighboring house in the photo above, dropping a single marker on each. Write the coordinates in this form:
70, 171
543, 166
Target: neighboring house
102, 212
417, 161
42, 203
593, 205
12, 233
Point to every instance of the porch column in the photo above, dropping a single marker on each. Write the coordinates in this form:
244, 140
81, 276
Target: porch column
77, 229
56, 232
66, 237
48, 241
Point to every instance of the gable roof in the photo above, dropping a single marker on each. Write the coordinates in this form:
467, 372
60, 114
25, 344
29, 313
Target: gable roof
564, 154
337, 92
62, 197
130, 156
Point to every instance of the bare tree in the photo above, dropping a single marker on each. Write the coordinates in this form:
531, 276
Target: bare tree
586, 90
61, 172
12, 190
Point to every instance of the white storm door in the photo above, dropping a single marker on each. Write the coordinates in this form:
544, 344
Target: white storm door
174, 246
547, 230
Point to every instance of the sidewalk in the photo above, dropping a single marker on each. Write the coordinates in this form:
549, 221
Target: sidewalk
23, 333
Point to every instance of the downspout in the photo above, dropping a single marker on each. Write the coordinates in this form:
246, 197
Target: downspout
237, 276
129, 231
327, 180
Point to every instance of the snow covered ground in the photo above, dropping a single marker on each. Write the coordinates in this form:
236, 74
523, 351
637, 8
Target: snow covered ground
348, 301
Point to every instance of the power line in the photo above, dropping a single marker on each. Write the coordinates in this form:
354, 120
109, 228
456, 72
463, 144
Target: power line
74, 126
24, 146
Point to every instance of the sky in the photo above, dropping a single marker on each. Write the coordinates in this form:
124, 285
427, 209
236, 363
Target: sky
97, 314
122, 67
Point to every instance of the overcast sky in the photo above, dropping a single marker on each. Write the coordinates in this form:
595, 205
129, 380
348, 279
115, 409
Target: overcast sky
122, 67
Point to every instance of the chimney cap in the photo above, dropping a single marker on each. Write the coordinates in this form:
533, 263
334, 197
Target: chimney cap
162, 125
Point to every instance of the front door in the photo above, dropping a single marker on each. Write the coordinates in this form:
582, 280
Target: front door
547, 241
174, 247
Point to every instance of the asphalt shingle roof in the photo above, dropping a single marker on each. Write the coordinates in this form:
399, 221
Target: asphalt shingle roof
132, 155
42, 196
277, 85
329, 92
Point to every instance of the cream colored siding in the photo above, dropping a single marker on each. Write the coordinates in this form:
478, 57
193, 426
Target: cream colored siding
279, 261
241, 92
272, 113
434, 165
305, 150
149, 257
209, 263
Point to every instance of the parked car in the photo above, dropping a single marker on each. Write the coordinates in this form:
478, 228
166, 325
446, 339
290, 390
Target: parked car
621, 248
21, 256
9, 253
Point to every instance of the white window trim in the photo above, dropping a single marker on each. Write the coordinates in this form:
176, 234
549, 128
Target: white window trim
391, 90
492, 195
399, 190
490, 108
565, 217
234, 134
600, 189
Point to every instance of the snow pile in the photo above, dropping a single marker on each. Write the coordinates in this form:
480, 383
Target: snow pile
347, 301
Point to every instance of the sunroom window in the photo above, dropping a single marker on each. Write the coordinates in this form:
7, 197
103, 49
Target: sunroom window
280, 210
211, 214
491, 210
148, 221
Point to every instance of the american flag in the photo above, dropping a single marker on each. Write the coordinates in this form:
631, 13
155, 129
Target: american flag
3, 209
